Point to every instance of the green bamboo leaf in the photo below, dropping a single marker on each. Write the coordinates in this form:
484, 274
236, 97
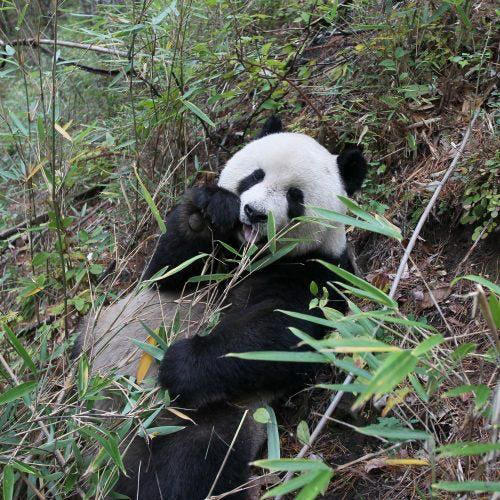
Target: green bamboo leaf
362, 284
8, 482
271, 232
479, 486
466, 449
292, 485
17, 122
317, 486
164, 430
262, 416
394, 433
308, 317
391, 372
151, 204
108, 443
291, 465
376, 225
159, 340
152, 350
17, 392
198, 112
273, 438
176, 269
210, 277
16, 344
83, 375
303, 434
427, 344
479, 279
269, 259
285, 356
343, 387
363, 344
419, 389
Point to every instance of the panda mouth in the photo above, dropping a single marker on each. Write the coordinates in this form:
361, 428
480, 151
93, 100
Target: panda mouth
250, 233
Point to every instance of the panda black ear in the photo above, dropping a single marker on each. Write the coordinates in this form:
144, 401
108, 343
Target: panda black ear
352, 166
272, 125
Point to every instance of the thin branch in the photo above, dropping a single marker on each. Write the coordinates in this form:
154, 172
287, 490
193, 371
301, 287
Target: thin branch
35, 42
227, 454
430, 205
333, 405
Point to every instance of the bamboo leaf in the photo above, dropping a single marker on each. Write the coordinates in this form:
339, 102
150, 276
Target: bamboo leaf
198, 112
362, 284
17, 392
479, 486
291, 465
150, 349
18, 347
466, 449
316, 486
397, 434
273, 438
8, 482
390, 373
290, 357
292, 485
479, 279
271, 232
63, 132
151, 204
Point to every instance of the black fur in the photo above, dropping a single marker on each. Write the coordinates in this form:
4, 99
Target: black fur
295, 198
272, 125
352, 166
216, 213
184, 465
251, 180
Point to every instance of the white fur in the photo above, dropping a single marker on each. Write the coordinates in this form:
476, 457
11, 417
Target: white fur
290, 160
106, 335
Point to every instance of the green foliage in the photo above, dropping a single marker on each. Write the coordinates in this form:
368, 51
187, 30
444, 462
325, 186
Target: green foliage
481, 202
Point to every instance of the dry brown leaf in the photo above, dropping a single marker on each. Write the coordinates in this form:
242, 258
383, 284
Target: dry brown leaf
378, 463
62, 132
439, 295
180, 414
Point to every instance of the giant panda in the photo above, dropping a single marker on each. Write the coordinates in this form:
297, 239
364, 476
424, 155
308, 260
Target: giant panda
279, 172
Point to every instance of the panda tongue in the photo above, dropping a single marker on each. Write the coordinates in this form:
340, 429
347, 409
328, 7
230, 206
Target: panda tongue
250, 233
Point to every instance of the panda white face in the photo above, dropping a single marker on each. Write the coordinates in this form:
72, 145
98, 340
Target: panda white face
284, 173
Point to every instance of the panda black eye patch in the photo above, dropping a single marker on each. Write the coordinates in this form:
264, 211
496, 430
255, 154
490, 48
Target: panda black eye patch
250, 180
295, 198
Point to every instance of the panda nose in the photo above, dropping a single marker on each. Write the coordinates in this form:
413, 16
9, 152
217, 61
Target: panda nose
254, 216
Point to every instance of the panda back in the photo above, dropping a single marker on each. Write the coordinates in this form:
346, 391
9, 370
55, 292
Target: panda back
106, 335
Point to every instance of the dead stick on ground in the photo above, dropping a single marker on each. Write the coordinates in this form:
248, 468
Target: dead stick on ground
329, 411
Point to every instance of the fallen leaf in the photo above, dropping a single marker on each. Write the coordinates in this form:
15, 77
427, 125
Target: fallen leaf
439, 295
378, 463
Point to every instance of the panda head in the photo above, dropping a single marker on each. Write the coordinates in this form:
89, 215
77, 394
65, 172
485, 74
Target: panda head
286, 174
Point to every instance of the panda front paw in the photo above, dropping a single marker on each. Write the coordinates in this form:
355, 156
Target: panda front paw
219, 207
187, 376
